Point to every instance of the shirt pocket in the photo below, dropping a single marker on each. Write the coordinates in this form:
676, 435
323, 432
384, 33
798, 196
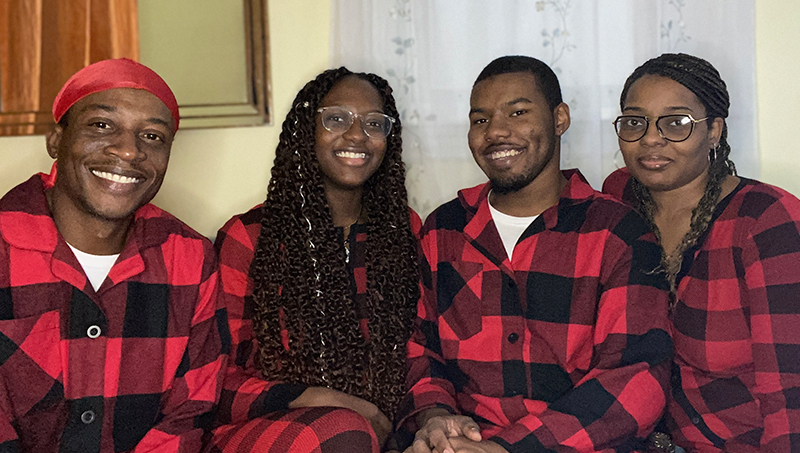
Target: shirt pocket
459, 288
30, 363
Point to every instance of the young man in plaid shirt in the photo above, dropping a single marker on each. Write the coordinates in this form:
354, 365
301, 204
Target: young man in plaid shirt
542, 321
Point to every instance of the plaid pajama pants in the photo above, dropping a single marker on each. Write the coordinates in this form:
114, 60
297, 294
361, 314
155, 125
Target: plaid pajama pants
304, 430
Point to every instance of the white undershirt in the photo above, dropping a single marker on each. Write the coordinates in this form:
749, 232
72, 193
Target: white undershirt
510, 228
95, 266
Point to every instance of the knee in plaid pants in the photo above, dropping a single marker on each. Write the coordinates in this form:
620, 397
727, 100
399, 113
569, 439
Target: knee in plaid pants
303, 430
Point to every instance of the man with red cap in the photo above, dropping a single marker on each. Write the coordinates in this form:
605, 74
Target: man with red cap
110, 335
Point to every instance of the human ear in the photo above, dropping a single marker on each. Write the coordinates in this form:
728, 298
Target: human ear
715, 130
53, 140
561, 116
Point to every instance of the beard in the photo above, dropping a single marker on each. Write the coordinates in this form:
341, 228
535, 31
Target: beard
512, 184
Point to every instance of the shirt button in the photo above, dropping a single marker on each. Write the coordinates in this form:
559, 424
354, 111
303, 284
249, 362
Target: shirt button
87, 417
93, 331
512, 338
511, 284
696, 420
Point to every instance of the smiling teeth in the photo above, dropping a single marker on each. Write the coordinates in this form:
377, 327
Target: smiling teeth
115, 177
351, 155
503, 154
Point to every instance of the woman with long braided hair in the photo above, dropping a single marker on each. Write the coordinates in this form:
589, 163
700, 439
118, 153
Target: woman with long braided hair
731, 251
321, 281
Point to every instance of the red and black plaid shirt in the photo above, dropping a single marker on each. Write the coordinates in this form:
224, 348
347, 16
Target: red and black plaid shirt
246, 394
565, 346
134, 365
736, 325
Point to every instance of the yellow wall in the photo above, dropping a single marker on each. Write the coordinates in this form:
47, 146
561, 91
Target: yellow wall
778, 89
216, 173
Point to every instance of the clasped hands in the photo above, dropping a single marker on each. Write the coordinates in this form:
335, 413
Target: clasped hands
442, 432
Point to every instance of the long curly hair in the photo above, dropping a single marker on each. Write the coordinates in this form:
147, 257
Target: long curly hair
702, 79
305, 320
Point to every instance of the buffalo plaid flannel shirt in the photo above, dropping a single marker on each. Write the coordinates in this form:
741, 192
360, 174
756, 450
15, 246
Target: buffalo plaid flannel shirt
565, 346
133, 366
246, 394
736, 380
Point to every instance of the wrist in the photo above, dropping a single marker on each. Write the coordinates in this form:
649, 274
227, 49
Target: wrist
424, 416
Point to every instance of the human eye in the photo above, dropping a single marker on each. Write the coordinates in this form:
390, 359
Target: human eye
100, 124
679, 120
152, 137
475, 120
336, 115
632, 122
519, 112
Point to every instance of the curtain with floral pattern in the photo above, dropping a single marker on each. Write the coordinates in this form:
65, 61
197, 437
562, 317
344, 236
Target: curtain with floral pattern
431, 51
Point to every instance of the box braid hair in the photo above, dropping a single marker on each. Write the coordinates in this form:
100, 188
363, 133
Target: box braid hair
305, 320
702, 79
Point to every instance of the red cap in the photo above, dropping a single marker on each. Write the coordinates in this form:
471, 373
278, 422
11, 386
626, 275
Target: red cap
110, 74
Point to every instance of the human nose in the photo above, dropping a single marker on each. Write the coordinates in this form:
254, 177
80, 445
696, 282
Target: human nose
496, 128
126, 147
356, 130
652, 135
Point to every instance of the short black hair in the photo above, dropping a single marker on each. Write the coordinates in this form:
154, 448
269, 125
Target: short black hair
548, 82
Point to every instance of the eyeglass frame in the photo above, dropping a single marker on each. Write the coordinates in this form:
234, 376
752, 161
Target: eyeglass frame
658, 128
360, 118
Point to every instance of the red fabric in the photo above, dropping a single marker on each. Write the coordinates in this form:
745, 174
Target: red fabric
303, 430
246, 394
110, 74
152, 376
563, 347
736, 383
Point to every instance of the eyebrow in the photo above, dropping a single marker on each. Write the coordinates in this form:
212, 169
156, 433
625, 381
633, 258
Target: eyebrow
159, 121
111, 109
509, 103
104, 107
676, 108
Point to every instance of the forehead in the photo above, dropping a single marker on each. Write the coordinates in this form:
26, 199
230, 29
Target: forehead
130, 102
355, 93
654, 92
504, 88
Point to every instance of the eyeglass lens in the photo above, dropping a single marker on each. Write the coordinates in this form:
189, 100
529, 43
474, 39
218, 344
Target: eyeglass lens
675, 128
338, 120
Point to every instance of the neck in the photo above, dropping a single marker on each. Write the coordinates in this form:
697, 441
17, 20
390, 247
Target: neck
533, 199
683, 198
86, 232
345, 205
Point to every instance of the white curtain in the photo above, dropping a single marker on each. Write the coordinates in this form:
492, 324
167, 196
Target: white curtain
431, 51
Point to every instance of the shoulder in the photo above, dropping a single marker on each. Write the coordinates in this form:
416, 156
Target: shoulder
154, 226
757, 199
618, 185
456, 213
764, 214
590, 211
242, 229
415, 222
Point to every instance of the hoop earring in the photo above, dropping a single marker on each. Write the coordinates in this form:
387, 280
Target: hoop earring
619, 161
712, 153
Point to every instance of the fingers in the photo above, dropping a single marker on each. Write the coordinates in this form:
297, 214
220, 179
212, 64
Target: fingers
419, 446
472, 431
440, 441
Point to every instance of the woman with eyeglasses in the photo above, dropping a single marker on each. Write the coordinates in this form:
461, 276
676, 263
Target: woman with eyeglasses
321, 280
731, 251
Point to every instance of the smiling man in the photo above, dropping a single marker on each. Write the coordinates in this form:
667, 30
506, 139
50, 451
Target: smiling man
542, 321
110, 339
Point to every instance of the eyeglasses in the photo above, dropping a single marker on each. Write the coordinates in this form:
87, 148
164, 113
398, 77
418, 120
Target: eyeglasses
338, 120
675, 128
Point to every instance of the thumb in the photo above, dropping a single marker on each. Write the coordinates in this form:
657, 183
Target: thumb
473, 433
